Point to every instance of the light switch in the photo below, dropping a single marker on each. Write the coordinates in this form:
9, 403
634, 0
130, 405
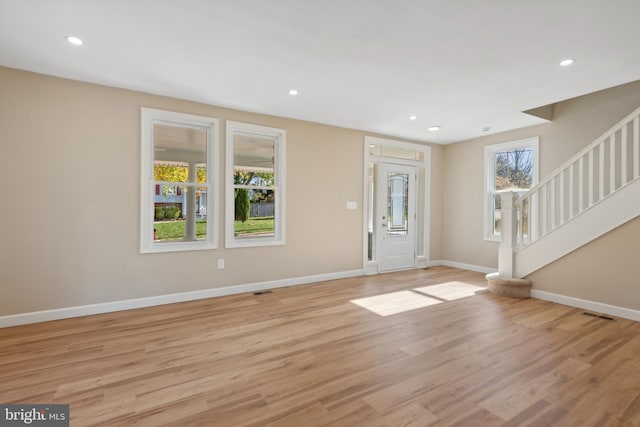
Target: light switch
352, 205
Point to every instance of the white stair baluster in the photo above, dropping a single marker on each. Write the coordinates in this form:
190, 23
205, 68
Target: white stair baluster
623, 156
572, 190
561, 199
590, 180
580, 184
612, 163
601, 171
636, 147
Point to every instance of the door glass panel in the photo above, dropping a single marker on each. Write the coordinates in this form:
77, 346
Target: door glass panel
398, 204
395, 152
420, 250
371, 212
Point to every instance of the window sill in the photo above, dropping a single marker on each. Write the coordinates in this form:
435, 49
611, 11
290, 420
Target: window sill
156, 248
249, 243
497, 239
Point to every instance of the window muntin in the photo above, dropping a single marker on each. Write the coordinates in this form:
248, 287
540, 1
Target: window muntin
255, 190
178, 199
512, 166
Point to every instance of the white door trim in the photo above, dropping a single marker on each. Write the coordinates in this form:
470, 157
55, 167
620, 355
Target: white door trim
422, 259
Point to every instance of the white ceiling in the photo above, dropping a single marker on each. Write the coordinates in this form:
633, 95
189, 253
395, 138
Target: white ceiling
364, 64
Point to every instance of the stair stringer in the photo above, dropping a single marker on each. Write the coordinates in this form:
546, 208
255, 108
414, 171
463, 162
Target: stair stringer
611, 212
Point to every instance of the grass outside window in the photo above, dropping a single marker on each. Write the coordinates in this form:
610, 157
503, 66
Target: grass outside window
174, 230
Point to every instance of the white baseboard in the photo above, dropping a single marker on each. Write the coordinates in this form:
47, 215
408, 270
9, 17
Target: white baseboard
107, 307
462, 266
421, 262
598, 307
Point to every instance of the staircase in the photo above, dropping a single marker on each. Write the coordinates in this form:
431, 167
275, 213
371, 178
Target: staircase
592, 193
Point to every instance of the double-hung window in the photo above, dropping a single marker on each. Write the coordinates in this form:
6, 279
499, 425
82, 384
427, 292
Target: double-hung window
511, 166
255, 196
178, 192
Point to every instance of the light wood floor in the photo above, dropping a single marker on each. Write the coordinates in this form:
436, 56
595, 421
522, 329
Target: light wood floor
308, 356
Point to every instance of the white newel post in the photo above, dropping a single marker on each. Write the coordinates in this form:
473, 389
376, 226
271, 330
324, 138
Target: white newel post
503, 282
505, 253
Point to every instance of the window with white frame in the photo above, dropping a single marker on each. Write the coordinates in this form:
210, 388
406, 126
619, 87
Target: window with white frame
178, 194
255, 185
511, 166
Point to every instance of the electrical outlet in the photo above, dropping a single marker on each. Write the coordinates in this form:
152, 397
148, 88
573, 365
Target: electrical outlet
220, 264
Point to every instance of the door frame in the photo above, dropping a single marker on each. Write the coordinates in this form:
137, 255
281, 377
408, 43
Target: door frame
422, 258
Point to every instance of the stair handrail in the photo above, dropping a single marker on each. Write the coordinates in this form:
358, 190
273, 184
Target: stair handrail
581, 153
541, 199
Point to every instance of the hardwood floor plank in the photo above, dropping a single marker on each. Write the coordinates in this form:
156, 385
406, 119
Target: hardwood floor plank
304, 416
356, 413
478, 417
308, 355
511, 401
411, 415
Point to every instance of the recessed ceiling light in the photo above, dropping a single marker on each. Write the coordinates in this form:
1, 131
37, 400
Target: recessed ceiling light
412, 117
567, 62
74, 40
434, 128
293, 92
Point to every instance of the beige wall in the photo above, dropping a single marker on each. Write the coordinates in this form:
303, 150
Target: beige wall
606, 270
69, 223
577, 123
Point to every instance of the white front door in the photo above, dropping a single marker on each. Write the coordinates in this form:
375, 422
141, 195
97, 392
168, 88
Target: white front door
396, 217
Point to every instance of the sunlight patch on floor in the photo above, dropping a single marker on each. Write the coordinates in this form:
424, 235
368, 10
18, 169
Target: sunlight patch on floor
451, 290
402, 301
395, 302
